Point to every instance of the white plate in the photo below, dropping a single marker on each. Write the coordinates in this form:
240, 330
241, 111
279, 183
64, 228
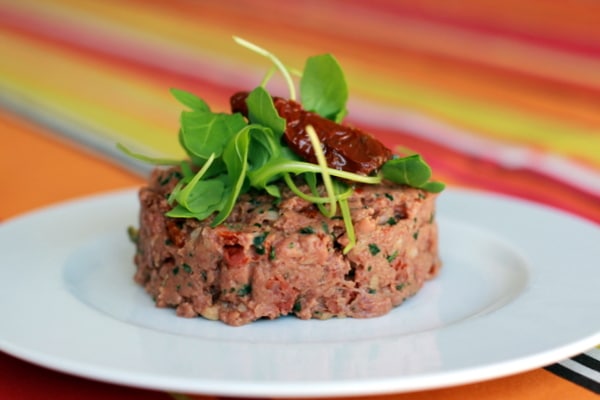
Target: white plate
519, 290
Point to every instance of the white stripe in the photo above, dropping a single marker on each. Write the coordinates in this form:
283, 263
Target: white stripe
512, 157
99, 142
594, 353
581, 369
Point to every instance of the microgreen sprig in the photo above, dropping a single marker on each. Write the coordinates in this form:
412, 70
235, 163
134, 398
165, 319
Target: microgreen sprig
145, 158
314, 140
284, 71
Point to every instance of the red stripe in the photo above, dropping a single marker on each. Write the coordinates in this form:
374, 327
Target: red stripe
557, 39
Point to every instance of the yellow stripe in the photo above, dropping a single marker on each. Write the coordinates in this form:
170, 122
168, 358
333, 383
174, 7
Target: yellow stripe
116, 104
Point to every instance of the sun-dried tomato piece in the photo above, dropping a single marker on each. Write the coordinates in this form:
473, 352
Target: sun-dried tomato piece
345, 148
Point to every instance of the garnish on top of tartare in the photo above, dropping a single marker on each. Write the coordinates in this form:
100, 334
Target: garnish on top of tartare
267, 139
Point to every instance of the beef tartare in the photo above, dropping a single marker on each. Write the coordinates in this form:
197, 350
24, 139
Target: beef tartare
278, 256
281, 209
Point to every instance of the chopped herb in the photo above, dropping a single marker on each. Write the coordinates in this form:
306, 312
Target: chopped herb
258, 225
175, 270
259, 243
432, 218
392, 256
325, 227
178, 288
187, 268
168, 242
422, 196
372, 291
167, 179
291, 245
400, 287
134, 234
389, 196
244, 290
272, 254
369, 268
307, 230
297, 306
204, 275
374, 249
392, 221
416, 235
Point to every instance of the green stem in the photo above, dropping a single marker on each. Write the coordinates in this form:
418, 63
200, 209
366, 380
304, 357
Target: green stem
284, 165
345, 208
268, 76
144, 158
184, 194
275, 60
316, 144
314, 198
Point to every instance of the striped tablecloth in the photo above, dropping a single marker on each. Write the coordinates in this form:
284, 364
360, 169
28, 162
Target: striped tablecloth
502, 96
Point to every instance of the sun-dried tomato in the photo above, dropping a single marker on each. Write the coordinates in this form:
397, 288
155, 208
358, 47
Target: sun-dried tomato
345, 148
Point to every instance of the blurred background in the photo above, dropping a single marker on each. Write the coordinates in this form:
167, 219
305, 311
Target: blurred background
501, 96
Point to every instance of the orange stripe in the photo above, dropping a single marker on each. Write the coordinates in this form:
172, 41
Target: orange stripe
575, 19
38, 169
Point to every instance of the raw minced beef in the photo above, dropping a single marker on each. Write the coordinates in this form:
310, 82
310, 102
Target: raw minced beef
275, 257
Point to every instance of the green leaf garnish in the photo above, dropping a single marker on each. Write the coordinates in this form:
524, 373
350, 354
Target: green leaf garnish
262, 111
433, 187
323, 88
229, 154
235, 156
189, 99
204, 133
412, 171
200, 198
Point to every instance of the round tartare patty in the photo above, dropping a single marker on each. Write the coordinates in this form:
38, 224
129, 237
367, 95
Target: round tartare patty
281, 256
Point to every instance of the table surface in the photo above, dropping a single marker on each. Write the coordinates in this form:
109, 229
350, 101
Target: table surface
499, 96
